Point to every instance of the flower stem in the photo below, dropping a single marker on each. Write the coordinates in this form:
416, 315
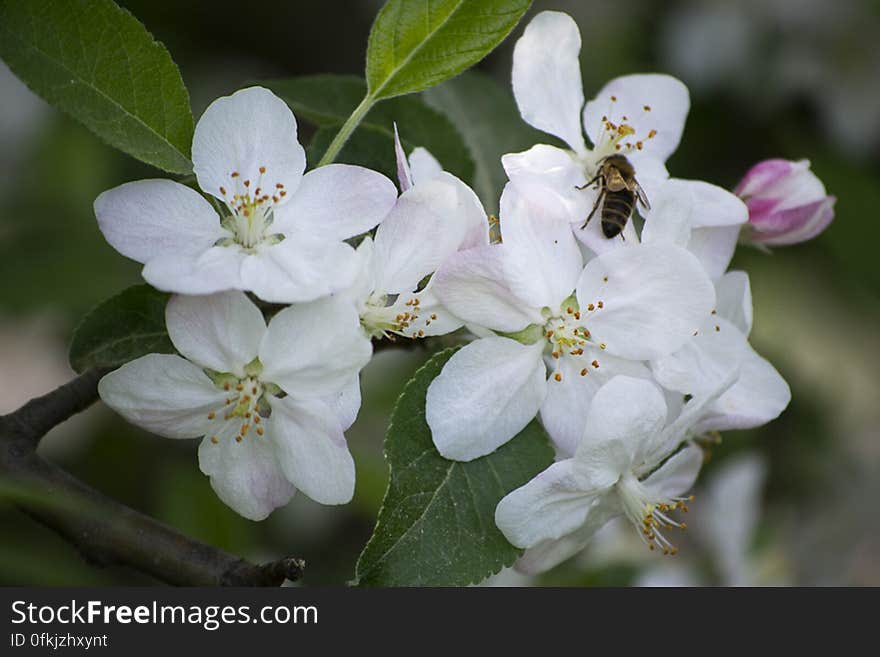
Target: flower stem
347, 128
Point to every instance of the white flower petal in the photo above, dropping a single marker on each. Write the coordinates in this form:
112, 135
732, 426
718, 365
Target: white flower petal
626, 411
594, 238
424, 166
425, 227
547, 76
734, 300
715, 206
245, 475
311, 449
313, 350
337, 201
728, 515
542, 260
714, 246
669, 103
669, 221
164, 394
346, 404
679, 206
473, 213
678, 473
221, 332
557, 171
241, 133
471, 285
567, 404
552, 505
705, 361
702, 217
469, 413
215, 270
150, 218
301, 268
404, 174
667, 575
552, 552
758, 396
364, 281
653, 299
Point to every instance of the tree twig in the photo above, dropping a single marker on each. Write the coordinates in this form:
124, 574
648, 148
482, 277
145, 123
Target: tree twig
105, 531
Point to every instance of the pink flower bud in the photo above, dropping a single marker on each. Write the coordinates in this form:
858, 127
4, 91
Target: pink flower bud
787, 203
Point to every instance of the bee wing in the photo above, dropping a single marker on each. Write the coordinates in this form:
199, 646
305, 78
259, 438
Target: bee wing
643, 198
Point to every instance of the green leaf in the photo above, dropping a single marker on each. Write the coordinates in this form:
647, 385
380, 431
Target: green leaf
328, 100
489, 120
125, 327
437, 522
415, 44
96, 62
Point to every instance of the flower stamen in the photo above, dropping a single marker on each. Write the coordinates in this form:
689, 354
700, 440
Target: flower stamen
649, 514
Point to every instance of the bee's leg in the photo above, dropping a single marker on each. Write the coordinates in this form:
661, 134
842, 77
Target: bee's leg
588, 183
595, 207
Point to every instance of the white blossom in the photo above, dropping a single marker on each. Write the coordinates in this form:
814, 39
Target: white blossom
547, 314
640, 116
627, 463
271, 402
436, 215
280, 234
759, 393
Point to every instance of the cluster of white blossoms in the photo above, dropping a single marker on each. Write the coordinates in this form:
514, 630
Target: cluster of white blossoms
626, 348
271, 401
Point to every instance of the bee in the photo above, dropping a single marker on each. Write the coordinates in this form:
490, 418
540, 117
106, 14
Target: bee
618, 191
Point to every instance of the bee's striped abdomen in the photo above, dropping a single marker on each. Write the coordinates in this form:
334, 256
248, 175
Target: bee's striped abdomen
616, 209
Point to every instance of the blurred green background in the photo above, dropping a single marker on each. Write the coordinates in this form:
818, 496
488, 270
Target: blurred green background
785, 78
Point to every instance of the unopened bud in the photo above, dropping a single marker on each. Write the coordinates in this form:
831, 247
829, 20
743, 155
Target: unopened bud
787, 203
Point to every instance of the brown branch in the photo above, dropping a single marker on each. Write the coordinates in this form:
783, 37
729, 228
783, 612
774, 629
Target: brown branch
105, 531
